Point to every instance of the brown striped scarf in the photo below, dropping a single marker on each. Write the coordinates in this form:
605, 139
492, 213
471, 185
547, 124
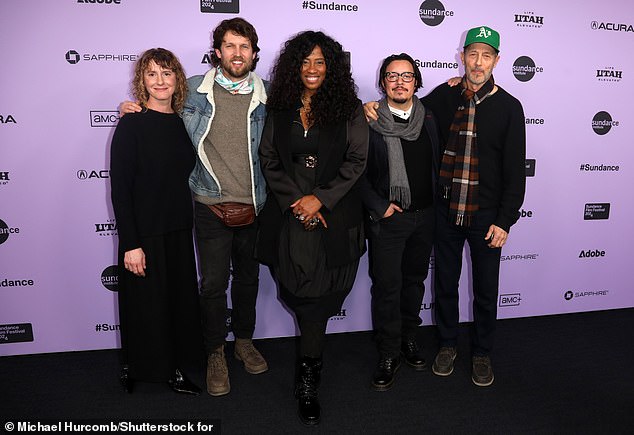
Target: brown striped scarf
459, 173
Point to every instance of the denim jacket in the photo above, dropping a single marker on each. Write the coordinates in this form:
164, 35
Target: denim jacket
198, 113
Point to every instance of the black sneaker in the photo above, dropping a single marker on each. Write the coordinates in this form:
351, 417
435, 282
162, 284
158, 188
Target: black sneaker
481, 371
443, 364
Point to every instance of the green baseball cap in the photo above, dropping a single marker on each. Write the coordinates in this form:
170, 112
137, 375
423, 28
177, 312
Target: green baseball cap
485, 35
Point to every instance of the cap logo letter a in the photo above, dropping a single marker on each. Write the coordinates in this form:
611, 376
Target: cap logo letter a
483, 33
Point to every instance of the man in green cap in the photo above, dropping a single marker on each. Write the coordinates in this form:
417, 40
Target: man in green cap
481, 189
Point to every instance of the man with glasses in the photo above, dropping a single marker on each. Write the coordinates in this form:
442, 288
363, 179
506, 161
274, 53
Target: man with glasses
398, 194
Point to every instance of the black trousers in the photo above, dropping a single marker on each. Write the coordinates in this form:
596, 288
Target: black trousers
399, 252
485, 265
223, 252
159, 313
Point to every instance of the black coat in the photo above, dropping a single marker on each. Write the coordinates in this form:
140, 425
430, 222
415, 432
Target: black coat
341, 157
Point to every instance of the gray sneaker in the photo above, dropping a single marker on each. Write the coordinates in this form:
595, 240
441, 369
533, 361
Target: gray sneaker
217, 373
443, 364
481, 371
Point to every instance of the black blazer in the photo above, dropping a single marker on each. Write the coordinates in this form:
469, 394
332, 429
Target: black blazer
376, 180
341, 156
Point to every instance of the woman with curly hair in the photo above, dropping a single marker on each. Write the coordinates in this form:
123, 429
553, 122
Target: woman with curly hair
151, 159
313, 151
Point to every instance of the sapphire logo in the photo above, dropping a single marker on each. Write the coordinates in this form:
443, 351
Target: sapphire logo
72, 57
220, 6
16, 333
609, 74
110, 278
616, 27
510, 300
7, 119
568, 295
519, 257
524, 68
432, 12
530, 167
596, 211
528, 19
104, 118
6, 230
602, 123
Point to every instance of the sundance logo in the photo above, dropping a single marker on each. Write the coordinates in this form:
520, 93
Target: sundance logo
110, 278
220, 6
6, 230
432, 12
104, 118
602, 123
528, 19
595, 211
524, 68
16, 333
435, 64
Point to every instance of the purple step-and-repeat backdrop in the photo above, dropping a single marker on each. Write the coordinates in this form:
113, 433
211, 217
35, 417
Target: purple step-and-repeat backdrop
68, 65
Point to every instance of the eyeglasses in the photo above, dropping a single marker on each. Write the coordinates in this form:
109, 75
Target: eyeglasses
405, 76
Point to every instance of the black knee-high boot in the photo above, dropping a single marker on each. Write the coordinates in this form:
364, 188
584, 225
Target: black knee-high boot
306, 390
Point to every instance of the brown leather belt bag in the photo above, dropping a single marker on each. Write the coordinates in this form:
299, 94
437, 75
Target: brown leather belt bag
234, 214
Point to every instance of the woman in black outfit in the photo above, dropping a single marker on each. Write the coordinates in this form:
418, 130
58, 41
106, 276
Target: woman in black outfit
313, 151
151, 159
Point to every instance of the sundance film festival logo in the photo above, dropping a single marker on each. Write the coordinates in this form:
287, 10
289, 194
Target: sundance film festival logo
435, 64
616, 27
6, 231
596, 211
569, 294
341, 315
110, 278
93, 174
529, 166
528, 19
104, 118
220, 6
524, 69
510, 300
16, 333
108, 228
4, 178
602, 123
432, 12
609, 74
73, 57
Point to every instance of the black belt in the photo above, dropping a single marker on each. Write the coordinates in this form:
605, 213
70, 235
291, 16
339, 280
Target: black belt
308, 160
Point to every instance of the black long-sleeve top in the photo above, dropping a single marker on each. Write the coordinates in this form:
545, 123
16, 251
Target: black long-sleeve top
150, 161
501, 141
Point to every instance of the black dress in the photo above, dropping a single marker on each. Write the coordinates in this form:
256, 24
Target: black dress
151, 159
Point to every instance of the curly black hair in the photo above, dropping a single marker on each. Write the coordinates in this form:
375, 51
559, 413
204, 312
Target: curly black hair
335, 100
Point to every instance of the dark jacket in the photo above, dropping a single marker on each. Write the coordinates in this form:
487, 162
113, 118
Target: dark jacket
376, 183
341, 157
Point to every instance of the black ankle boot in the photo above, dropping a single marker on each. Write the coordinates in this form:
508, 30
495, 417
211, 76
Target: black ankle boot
126, 381
181, 384
306, 388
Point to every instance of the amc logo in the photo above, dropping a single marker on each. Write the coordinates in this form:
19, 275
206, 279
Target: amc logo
103, 118
510, 300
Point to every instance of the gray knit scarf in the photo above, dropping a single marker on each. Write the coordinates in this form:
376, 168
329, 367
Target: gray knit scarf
393, 132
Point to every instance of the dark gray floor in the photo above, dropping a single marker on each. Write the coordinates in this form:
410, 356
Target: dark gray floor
554, 374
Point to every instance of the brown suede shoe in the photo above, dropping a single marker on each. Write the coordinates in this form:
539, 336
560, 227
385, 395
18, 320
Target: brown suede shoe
217, 373
253, 360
